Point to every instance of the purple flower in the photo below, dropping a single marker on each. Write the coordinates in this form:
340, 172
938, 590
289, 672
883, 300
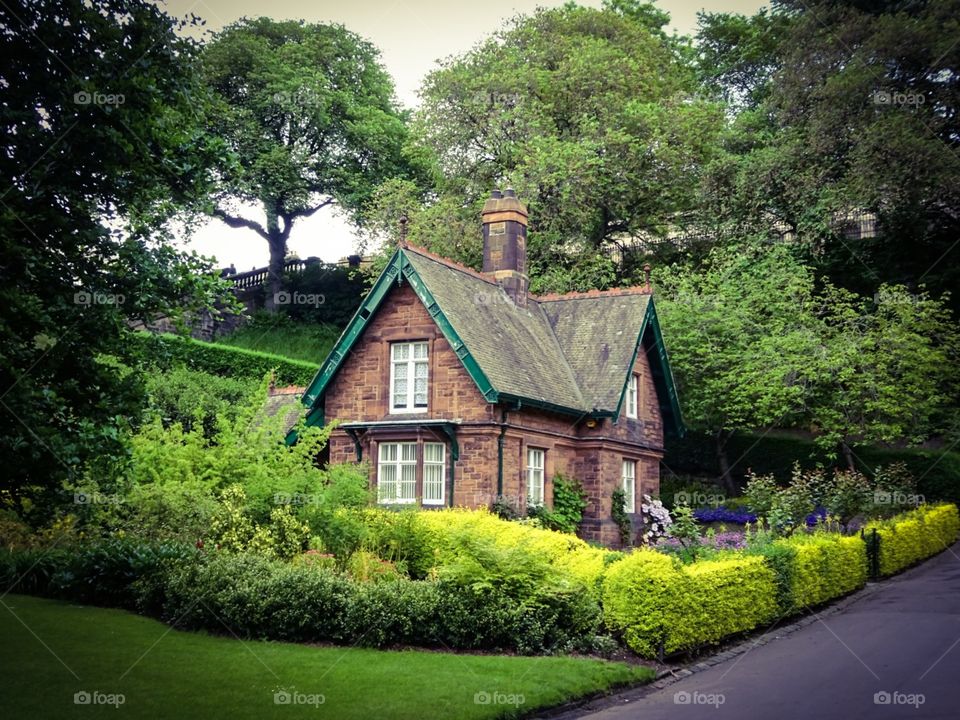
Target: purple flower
724, 515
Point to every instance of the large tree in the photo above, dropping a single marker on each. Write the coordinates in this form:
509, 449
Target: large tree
101, 121
592, 115
845, 107
310, 115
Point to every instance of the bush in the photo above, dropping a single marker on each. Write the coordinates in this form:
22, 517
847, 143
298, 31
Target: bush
908, 538
163, 352
187, 396
569, 502
824, 566
653, 600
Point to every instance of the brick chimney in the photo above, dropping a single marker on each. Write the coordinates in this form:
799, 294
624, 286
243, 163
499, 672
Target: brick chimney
505, 243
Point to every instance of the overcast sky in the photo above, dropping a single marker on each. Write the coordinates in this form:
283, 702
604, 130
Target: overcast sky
411, 35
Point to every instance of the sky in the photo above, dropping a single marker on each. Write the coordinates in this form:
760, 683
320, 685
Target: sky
412, 35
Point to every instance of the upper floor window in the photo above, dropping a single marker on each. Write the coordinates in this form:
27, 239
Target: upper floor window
633, 397
628, 476
535, 465
408, 377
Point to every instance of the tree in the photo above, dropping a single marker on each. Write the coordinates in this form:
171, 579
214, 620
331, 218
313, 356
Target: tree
310, 116
850, 109
740, 331
592, 115
102, 139
885, 369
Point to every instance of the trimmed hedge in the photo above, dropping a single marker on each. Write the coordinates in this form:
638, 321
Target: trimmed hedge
821, 567
913, 536
654, 601
164, 351
695, 454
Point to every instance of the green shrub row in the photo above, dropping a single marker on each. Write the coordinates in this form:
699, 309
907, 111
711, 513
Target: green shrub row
255, 597
657, 603
909, 538
164, 351
695, 454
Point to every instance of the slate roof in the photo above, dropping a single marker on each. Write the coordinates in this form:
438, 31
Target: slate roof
570, 353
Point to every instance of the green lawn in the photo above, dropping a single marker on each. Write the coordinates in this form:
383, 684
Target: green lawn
50, 650
292, 340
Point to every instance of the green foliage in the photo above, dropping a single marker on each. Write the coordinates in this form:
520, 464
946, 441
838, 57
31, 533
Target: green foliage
618, 499
185, 396
275, 335
83, 231
908, 538
569, 502
775, 454
655, 602
592, 115
310, 117
686, 530
761, 493
169, 351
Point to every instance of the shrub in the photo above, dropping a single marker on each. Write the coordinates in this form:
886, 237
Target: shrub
724, 515
185, 396
908, 538
824, 566
569, 502
164, 352
653, 600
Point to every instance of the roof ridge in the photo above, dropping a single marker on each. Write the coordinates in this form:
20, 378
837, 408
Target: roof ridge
452, 264
612, 292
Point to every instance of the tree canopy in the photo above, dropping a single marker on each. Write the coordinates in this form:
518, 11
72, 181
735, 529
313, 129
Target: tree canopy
310, 117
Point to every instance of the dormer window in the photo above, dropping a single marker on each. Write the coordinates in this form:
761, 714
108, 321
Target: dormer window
408, 377
632, 397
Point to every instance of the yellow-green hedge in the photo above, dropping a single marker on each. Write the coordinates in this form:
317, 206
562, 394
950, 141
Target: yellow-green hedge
908, 538
651, 599
566, 552
824, 566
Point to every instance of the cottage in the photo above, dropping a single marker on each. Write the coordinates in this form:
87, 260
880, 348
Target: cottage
461, 387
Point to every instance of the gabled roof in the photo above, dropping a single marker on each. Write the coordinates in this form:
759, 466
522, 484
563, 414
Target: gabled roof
567, 353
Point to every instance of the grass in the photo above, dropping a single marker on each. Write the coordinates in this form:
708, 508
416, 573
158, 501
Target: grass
298, 341
51, 650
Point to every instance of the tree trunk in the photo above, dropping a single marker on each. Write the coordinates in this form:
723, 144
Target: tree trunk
726, 478
848, 455
278, 255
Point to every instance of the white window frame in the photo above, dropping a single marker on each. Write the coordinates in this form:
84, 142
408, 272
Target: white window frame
628, 480
434, 466
398, 464
410, 369
633, 396
536, 472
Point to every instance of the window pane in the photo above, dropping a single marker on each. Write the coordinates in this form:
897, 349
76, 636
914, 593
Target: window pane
433, 452
408, 483
409, 452
420, 351
387, 483
401, 351
388, 452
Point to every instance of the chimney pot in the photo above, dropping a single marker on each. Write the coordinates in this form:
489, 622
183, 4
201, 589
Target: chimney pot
510, 193
496, 194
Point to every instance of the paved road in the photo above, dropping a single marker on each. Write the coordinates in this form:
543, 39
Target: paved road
902, 641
